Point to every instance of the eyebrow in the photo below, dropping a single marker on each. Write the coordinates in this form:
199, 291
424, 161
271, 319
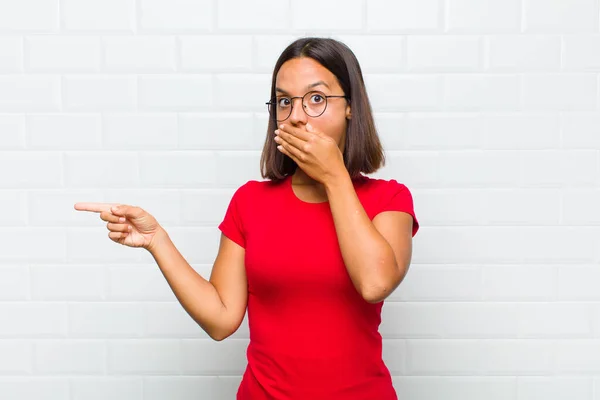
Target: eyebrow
312, 85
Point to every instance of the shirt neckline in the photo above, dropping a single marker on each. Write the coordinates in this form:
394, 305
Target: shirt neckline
290, 190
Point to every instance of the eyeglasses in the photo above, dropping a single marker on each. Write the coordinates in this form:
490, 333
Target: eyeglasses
314, 104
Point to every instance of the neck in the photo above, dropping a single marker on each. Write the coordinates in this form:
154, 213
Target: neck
301, 178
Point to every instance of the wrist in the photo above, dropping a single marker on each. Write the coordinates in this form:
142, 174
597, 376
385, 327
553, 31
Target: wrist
160, 238
335, 181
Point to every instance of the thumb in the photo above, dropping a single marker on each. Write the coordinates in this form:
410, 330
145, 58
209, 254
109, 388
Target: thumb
127, 211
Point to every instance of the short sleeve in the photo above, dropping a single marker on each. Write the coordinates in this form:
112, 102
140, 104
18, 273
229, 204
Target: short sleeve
232, 226
397, 197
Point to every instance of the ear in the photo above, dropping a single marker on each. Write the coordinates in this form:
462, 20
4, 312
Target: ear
348, 112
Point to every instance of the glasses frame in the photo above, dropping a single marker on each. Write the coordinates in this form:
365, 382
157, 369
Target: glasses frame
274, 102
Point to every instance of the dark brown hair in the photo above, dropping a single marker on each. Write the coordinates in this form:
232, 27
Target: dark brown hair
363, 151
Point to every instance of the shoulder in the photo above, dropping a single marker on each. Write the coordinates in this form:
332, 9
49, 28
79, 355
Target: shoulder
381, 186
387, 194
392, 195
253, 188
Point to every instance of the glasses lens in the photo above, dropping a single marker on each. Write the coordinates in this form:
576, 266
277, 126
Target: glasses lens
314, 103
281, 107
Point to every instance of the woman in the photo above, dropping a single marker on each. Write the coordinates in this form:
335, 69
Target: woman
312, 252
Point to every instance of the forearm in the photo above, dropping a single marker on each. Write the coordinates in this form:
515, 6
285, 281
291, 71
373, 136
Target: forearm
199, 297
368, 257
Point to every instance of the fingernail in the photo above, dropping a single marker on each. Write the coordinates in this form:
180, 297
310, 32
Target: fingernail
121, 219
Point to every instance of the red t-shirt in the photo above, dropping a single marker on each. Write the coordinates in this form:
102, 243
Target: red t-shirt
312, 336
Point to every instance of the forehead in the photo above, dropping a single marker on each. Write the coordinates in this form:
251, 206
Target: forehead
296, 74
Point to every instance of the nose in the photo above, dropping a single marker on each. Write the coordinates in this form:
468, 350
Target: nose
298, 116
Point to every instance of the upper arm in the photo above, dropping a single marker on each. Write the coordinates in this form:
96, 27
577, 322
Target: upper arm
397, 229
228, 276
396, 222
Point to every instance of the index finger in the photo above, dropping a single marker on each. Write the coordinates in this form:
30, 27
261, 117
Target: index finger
94, 207
299, 133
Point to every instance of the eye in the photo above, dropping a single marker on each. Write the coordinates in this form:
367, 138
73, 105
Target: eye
283, 102
316, 98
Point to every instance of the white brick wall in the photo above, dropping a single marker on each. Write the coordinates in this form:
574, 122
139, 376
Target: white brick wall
489, 111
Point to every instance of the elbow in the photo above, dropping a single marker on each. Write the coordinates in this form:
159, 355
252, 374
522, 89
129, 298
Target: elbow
222, 332
375, 295
216, 336
377, 292
219, 336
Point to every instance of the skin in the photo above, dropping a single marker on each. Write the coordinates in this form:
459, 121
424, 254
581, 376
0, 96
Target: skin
294, 77
376, 253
